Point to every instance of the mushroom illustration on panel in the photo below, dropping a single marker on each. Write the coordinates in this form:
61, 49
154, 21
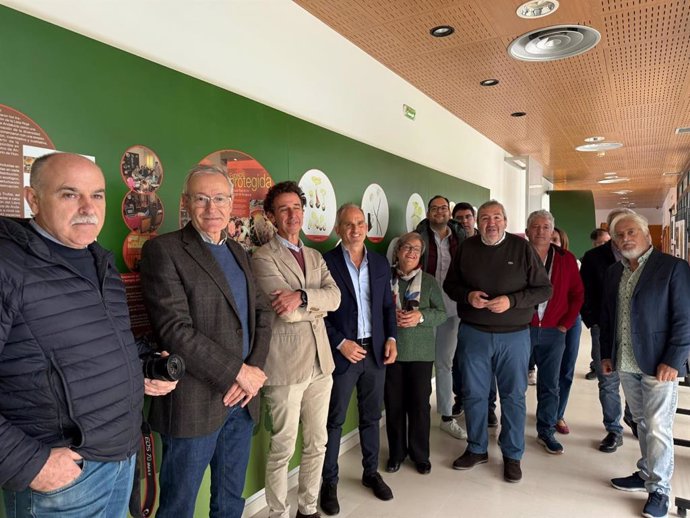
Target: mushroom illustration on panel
375, 208
319, 212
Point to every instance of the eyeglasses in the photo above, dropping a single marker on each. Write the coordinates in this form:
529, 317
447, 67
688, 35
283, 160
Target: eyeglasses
409, 248
201, 200
443, 208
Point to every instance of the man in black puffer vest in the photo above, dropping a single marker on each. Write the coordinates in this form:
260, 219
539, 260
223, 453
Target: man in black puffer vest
71, 382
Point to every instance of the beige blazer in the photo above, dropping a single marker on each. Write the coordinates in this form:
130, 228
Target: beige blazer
299, 338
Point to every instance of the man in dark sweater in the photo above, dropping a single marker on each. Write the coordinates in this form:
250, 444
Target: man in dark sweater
497, 280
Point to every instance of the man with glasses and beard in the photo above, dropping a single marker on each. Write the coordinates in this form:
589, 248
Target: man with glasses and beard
645, 338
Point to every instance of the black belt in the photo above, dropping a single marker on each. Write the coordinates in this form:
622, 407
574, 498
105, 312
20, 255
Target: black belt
364, 342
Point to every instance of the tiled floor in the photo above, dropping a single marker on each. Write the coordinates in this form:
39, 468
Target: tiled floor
560, 486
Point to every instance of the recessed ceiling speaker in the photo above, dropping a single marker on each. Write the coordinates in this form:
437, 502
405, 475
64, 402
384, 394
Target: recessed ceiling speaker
552, 43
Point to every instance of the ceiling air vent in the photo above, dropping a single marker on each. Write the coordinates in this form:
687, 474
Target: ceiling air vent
680, 131
552, 43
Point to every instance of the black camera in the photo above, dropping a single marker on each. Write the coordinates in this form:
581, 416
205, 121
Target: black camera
411, 304
170, 368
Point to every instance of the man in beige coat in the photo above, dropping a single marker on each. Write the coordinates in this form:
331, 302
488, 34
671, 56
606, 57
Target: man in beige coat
299, 363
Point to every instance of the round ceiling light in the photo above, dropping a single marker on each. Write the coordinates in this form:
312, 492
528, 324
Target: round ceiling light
599, 147
552, 43
537, 8
489, 82
441, 31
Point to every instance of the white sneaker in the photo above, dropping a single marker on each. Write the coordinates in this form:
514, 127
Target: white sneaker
532, 377
453, 429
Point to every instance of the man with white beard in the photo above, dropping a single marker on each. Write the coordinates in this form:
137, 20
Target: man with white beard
645, 337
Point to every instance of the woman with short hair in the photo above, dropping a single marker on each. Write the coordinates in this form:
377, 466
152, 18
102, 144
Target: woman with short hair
419, 309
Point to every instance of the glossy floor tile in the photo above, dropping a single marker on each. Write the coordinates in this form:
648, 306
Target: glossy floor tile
575, 484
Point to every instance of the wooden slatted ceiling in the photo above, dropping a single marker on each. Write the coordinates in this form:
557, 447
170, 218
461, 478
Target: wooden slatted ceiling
634, 87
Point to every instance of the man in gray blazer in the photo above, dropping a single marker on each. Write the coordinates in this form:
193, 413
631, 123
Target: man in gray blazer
300, 362
202, 299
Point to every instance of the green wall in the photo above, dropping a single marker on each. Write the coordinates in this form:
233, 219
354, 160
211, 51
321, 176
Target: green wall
574, 213
94, 99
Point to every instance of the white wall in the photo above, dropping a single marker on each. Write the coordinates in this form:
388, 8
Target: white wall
276, 53
654, 216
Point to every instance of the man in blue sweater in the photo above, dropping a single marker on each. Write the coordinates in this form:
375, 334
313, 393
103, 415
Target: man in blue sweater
201, 296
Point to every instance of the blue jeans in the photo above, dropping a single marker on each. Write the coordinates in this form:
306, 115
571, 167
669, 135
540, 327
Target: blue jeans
548, 344
101, 491
653, 405
185, 460
565, 382
457, 381
504, 356
446, 343
609, 388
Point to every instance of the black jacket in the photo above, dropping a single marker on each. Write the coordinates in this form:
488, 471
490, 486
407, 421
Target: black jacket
428, 259
69, 370
593, 272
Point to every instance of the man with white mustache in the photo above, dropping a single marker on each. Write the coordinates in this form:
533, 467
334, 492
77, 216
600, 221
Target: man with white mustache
645, 337
71, 382
497, 279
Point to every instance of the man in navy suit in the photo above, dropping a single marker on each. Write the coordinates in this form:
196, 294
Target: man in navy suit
645, 337
362, 334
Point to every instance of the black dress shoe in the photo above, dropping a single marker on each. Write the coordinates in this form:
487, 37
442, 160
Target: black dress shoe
492, 420
329, 499
423, 468
632, 424
611, 442
313, 515
392, 466
468, 460
511, 470
378, 486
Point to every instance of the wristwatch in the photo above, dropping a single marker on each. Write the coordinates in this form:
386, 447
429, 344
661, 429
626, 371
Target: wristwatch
303, 295
421, 318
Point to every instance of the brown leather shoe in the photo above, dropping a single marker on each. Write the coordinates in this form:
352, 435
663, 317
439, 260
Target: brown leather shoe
511, 470
468, 460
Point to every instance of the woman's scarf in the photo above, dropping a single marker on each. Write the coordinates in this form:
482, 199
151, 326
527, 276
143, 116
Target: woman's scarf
411, 297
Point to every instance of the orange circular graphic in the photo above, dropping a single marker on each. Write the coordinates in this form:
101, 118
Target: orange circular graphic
131, 249
141, 169
248, 224
142, 212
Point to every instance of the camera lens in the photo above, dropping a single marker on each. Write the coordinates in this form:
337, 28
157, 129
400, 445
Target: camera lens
170, 368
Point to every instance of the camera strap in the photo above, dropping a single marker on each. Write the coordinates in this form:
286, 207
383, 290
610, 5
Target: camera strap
146, 460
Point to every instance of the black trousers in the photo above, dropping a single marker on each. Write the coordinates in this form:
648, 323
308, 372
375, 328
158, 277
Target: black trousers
408, 419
